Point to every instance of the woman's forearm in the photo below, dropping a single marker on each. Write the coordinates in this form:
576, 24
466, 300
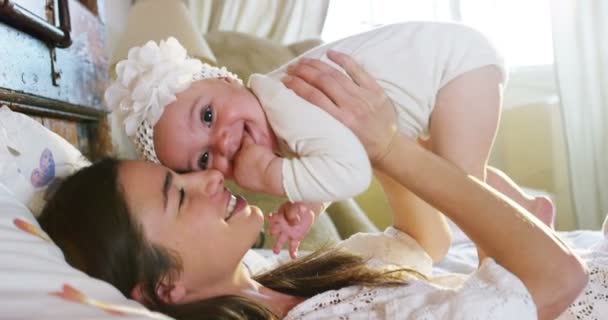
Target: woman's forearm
505, 231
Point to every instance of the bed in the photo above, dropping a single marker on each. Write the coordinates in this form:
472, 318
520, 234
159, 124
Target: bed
35, 280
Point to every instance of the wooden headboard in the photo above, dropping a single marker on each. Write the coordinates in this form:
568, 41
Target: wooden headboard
53, 67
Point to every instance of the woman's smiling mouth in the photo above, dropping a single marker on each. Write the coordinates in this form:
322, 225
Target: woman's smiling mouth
235, 204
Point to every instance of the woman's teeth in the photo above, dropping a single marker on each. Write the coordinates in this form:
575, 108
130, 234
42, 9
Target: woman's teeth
230, 207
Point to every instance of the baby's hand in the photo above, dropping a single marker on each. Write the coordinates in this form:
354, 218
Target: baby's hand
292, 222
257, 168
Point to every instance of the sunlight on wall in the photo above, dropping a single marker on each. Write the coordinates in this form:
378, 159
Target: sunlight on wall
347, 17
521, 29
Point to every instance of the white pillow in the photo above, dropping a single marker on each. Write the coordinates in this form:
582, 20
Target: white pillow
32, 156
33, 271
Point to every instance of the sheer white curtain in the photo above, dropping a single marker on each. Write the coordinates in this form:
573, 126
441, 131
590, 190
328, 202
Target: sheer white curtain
284, 21
581, 61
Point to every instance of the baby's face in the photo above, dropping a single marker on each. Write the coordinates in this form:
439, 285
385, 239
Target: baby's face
205, 126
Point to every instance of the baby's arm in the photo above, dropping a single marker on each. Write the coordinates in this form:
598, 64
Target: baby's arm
329, 161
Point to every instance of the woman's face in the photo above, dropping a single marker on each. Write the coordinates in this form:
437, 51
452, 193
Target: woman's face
205, 126
194, 216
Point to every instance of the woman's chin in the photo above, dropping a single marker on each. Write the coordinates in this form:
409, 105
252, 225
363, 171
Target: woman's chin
257, 213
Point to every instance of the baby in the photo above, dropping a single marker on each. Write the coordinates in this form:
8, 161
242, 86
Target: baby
193, 116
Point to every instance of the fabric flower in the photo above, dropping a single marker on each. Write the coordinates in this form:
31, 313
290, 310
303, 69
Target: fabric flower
148, 80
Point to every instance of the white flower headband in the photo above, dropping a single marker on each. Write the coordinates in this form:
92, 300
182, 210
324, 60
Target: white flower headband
147, 81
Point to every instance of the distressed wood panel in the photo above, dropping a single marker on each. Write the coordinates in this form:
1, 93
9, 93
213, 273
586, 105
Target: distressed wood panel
27, 63
72, 106
36, 7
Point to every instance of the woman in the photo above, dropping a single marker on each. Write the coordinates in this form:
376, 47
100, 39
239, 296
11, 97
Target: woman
170, 240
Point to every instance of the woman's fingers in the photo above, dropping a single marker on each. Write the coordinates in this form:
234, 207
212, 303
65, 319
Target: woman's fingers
328, 78
359, 103
353, 69
311, 94
306, 90
324, 86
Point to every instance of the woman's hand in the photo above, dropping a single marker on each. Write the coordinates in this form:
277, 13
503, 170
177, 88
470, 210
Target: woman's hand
360, 103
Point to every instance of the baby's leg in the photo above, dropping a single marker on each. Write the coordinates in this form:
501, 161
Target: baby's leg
540, 206
463, 127
465, 119
464, 123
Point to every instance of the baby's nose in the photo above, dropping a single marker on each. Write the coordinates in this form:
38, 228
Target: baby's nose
227, 145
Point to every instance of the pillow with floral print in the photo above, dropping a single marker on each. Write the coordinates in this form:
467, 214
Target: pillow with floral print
37, 283
32, 158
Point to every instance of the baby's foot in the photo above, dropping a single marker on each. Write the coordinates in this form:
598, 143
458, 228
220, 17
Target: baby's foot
542, 207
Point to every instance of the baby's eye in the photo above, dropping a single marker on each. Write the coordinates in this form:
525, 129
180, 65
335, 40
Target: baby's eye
203, 161
207, 116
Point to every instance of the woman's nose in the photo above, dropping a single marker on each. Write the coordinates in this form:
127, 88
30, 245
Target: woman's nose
208, 182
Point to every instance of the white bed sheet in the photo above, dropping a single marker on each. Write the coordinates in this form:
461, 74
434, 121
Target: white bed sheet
461, 258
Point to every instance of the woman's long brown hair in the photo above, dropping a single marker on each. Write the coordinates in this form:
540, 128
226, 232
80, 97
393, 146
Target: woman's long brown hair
88, 219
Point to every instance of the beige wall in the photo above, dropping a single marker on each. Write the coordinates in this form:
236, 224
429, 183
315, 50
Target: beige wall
530, 148
115, 17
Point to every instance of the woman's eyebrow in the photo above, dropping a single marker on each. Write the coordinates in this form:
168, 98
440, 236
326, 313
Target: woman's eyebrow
166, 185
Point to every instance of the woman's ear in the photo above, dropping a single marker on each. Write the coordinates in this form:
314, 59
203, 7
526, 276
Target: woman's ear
171, 293
137, 294
167, 293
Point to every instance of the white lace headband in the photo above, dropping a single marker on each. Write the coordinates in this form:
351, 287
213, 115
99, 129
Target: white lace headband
147, 81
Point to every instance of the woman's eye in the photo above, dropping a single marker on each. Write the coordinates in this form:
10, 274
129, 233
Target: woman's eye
207, 116
203, 161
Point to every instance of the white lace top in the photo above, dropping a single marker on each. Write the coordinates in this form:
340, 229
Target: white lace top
491, 292
592, 303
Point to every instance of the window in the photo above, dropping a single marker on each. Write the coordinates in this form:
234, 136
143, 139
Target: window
521, 29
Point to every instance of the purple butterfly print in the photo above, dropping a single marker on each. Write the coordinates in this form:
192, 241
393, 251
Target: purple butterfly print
43, 175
